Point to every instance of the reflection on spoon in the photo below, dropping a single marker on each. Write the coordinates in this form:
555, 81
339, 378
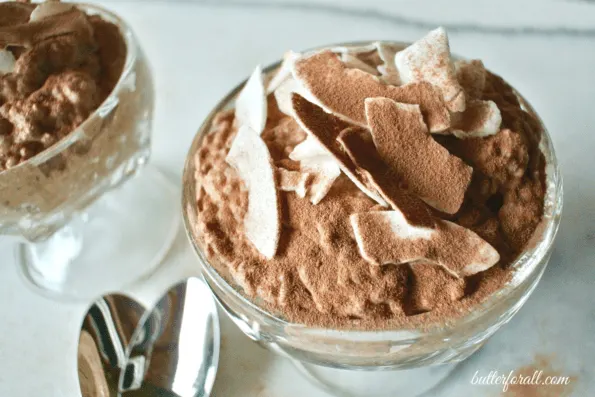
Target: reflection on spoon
91, 376
171, 350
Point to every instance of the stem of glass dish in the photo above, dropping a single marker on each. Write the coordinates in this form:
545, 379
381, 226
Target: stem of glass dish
120, 238
51, 258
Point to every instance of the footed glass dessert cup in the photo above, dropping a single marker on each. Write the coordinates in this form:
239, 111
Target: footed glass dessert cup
82, 230
397, 362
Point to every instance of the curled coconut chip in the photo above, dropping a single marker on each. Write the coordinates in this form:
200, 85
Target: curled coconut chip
283, 84
351, 61
318, 162
386, 237
480, 119
388, 70
358, 145
342, 91
354, 50
283, 95
283, 92
49, 8
251, 104
364, 58
294, 181
7, 62
428, 59
284, 71
325, 128
426, 167
309, 150
250, 157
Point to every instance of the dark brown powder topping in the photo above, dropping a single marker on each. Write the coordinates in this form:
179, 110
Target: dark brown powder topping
406, 147
326, 129
456, 249
358, 145
343, 90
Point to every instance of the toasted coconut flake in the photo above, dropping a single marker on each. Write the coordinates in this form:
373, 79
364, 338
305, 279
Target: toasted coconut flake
283, 95
426, 167
386, 237
325, 174
251, 104
388, 70
309, 150
358, 145
354, 50
284, 71
351, 61
480, 119
428, 59
294, 181
250, 157
342, 91
325, 128
316, 160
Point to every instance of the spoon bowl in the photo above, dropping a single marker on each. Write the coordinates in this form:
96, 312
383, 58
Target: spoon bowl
168, 350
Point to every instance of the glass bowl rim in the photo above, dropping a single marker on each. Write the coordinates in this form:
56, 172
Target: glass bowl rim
107, 105
525, 265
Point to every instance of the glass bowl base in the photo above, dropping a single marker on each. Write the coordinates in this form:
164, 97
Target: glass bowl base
385, 383
119, 239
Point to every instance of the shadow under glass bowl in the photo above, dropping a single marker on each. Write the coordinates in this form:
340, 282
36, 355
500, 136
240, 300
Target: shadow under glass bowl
80, 223
324, 353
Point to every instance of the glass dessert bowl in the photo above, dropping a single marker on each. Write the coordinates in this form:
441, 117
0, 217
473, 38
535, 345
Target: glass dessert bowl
83, 232
406, 358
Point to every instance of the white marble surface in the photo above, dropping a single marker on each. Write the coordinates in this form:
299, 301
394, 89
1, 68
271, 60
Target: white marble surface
199, 50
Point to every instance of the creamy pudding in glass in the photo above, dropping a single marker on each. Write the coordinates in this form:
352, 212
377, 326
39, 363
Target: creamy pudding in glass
76, 104
373, 206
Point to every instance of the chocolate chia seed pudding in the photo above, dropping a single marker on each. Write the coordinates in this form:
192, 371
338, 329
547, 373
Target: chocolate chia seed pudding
63, 133
370, 187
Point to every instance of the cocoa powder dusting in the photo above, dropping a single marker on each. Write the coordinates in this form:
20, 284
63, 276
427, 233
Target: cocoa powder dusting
456, 249
407, 148
359, 146
318, 276
343, 90
432, 287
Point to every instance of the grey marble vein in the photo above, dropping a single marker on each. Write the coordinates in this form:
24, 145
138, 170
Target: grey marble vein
392, 18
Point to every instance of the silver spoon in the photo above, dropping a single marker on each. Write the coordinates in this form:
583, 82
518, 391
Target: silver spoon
170, 350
